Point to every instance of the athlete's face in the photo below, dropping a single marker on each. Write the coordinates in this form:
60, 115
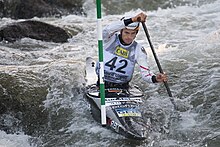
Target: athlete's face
128, 35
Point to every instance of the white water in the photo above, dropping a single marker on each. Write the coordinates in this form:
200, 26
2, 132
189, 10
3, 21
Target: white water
187, 42
13, 140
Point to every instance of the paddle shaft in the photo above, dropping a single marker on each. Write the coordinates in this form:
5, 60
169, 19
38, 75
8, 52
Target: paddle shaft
156, 59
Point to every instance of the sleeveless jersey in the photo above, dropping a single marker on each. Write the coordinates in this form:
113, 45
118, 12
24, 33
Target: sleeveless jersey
119, 61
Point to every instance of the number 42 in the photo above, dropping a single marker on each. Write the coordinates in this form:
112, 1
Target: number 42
112, 62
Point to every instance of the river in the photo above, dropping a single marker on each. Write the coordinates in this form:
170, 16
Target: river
187, 41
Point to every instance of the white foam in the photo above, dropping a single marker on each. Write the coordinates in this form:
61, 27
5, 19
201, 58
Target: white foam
14, 140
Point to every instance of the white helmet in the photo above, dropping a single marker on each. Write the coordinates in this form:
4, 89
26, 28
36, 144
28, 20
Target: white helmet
133, 25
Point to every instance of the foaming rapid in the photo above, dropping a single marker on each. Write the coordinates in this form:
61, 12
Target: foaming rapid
15, 140
187, 42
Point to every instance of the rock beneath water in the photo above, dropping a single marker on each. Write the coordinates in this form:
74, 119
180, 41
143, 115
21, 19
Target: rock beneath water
35, 30
21, 100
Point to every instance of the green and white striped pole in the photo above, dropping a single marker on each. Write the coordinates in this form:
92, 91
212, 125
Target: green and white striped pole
101, 71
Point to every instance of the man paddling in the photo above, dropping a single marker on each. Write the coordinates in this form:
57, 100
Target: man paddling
122, 52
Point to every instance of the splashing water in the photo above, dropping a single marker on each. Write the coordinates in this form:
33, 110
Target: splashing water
187, 41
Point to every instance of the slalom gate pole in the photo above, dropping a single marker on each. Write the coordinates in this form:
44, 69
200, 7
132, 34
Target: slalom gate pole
101, 71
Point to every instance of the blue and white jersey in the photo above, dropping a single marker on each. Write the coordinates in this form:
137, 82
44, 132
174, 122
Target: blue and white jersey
119, 60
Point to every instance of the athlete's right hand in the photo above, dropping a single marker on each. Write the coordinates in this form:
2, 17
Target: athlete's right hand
141, 17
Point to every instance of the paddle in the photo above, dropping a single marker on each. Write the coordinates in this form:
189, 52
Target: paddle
158, 63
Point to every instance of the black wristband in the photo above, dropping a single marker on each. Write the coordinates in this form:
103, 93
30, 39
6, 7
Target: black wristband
127, 21
154, 79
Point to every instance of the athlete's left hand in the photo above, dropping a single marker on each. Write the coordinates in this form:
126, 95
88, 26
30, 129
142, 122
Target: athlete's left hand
161, 77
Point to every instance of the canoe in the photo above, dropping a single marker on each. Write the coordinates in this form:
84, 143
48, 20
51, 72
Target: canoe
123, 114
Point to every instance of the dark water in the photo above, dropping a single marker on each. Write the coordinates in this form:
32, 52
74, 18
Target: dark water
122, 6
187, 41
